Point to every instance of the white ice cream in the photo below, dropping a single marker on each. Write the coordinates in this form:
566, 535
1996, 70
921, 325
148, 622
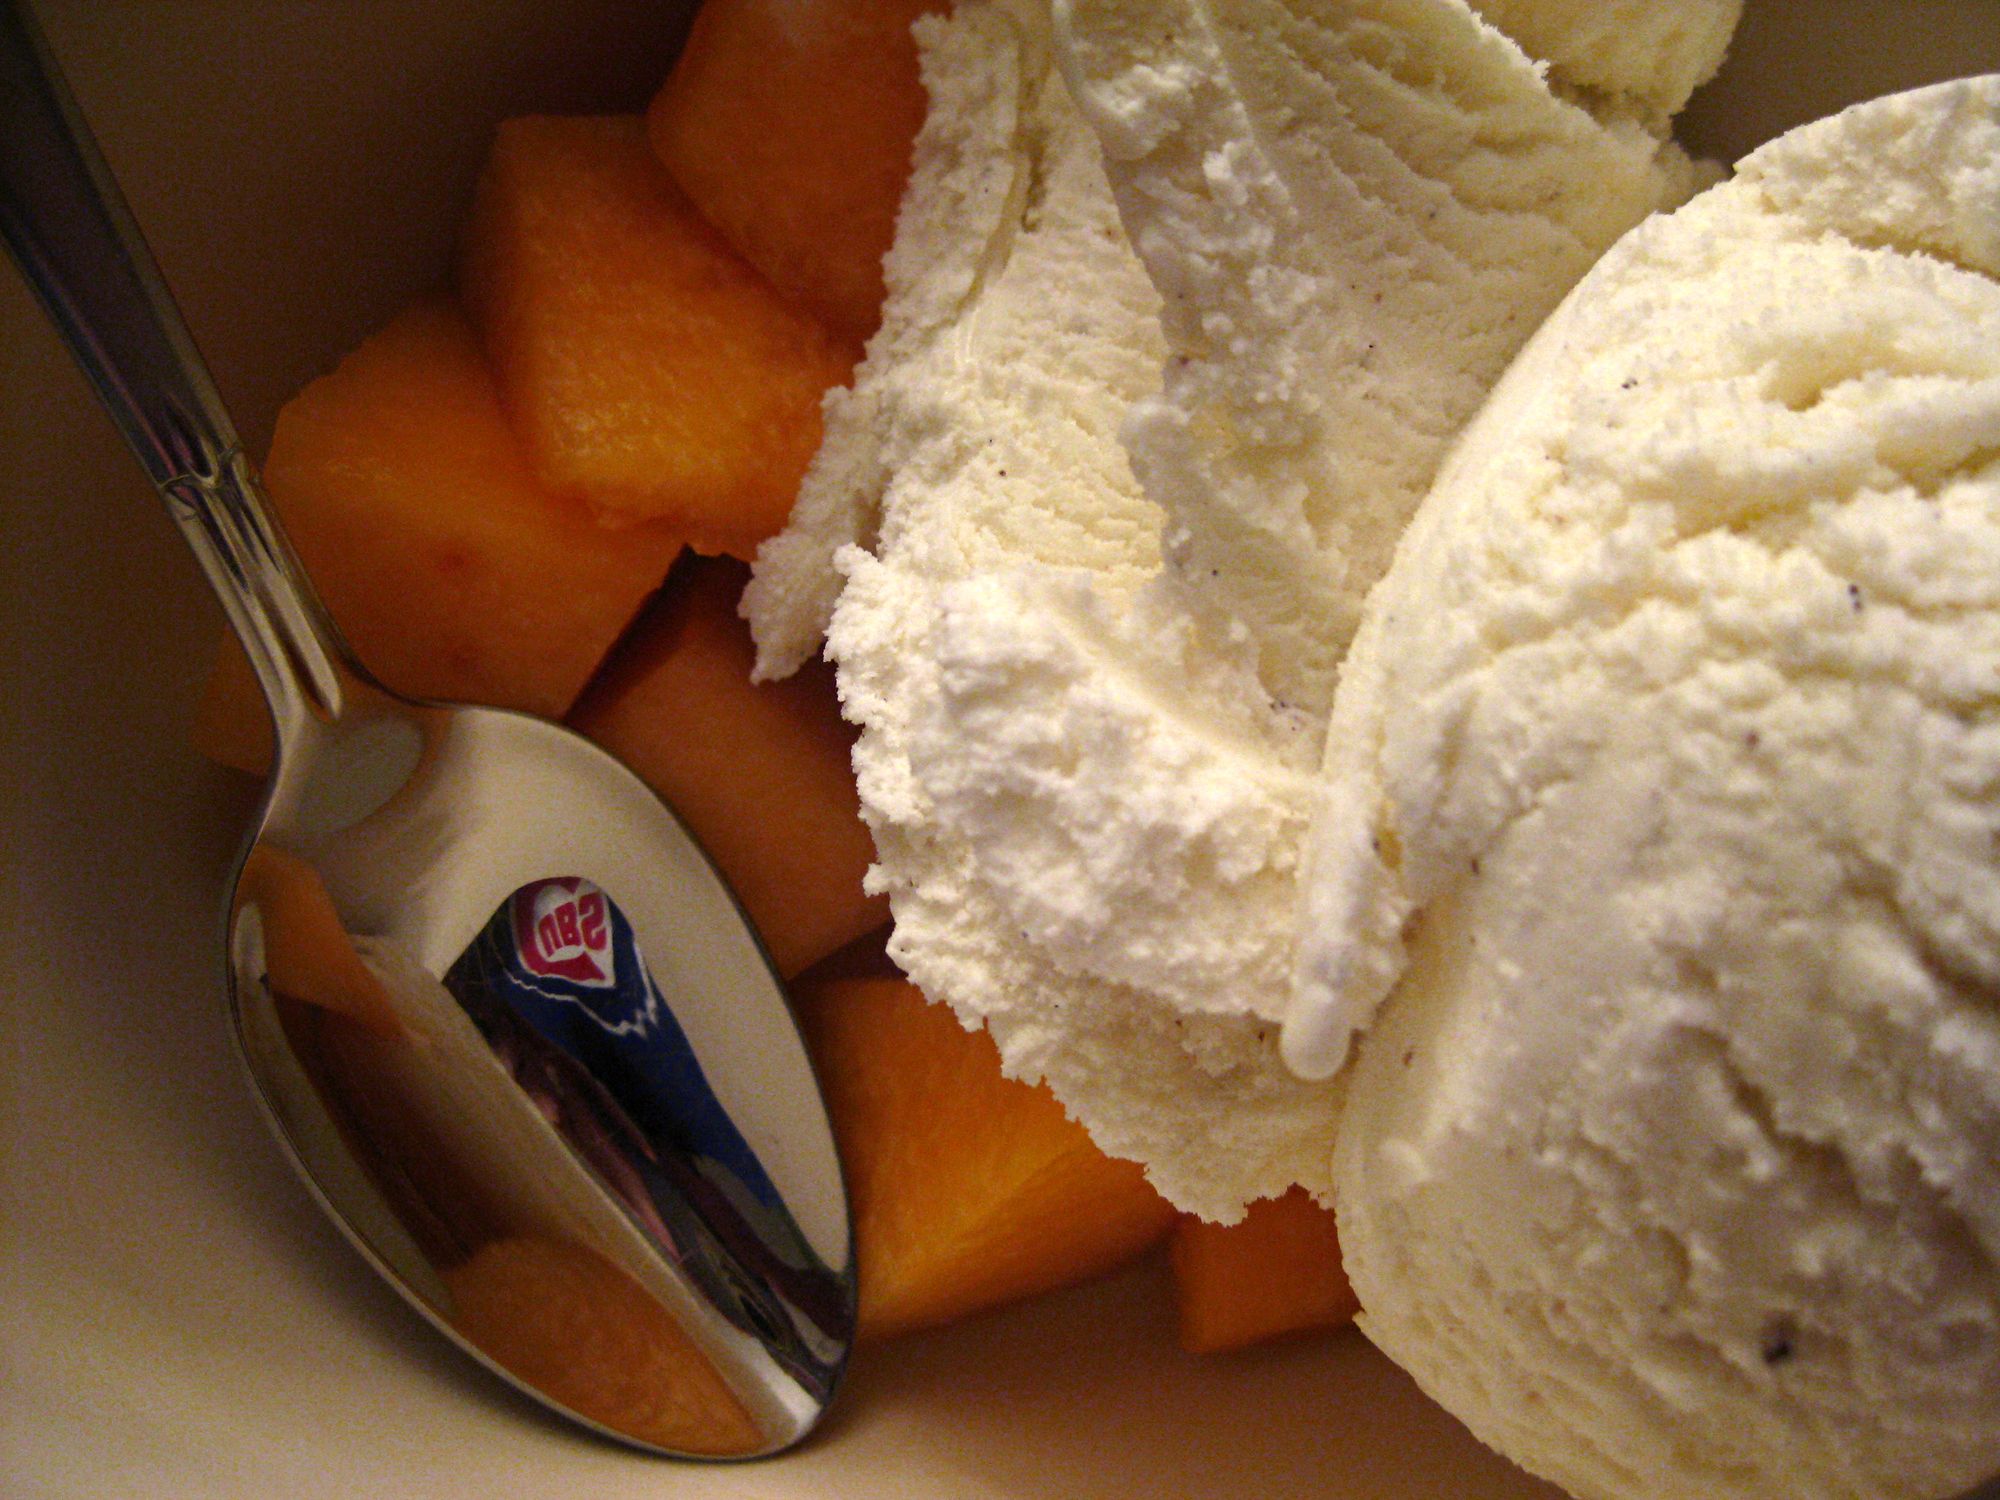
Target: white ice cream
1088, 773
1356, 214
1633, 56
1080, 807
1663, 809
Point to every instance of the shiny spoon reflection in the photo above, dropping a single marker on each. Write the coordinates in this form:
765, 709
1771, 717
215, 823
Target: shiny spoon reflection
499, 1009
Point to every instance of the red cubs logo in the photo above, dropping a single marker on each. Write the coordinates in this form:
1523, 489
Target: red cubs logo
562, 930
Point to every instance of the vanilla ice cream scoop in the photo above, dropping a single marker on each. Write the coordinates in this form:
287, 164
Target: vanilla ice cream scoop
1092, 699
1083, 811
1356, 212
1662, 822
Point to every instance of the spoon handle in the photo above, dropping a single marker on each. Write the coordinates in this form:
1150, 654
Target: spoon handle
64, 220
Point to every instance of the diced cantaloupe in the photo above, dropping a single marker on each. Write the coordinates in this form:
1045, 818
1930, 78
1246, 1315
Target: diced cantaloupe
572, 1324
231, 725
760, 771
649, 370
1273, 1272
867, 957
451, 572
969, 1189
309, 955
790, 123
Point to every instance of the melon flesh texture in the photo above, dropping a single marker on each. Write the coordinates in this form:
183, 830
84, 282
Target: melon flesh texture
969, 1189
1275, 1271
570, 1323
759, 772
309, 956
790, 125
449, 570
650, 372
232, 725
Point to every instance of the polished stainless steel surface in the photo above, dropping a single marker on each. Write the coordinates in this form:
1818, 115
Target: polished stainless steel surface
669, 1264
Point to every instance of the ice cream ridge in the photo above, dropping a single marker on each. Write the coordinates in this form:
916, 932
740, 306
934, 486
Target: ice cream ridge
1662, 819
1185, 304
1552, 817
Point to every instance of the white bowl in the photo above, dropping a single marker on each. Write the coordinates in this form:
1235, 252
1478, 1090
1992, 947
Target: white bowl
175, 1317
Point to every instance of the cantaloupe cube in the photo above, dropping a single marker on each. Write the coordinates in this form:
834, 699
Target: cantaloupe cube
1275, 1271
790, 123
761, 772
570, 1323
650, 371
450, 571
867, 957
969, 1189
231, 725
309, 956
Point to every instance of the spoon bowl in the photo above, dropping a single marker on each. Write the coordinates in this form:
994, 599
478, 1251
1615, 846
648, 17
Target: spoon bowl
499, 1008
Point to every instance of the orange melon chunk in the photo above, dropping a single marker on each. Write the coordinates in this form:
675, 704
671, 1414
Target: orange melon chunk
308, 954
969, 1189
1275, 1271
232, 726
648, 369
760, 772
450, 571
790, 123
569, 1322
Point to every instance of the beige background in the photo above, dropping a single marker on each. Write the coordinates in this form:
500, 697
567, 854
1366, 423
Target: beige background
175, 1318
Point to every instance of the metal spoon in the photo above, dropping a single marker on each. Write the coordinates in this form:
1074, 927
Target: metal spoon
501, 1012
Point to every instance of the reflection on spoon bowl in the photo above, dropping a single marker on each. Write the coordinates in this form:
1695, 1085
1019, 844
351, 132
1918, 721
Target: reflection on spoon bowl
642, 1221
